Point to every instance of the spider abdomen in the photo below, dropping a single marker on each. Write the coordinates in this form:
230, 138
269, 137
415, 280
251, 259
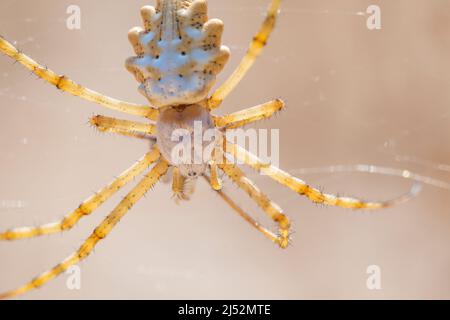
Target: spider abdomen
185, 137
179, 52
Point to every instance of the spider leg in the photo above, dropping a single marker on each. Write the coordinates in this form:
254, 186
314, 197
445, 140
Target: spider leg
215, 181
302, 188
179, 186
269, 234
63, 83
256, 46
123, 127
168, 177
272, 210
100, 232
217, 157
246, 116
88, 206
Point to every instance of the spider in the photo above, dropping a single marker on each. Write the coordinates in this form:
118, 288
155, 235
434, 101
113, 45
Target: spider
178, 56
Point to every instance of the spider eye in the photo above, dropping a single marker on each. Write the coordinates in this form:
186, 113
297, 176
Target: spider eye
192, 174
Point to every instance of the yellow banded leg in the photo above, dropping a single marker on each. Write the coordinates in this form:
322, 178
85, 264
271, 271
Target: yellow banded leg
215, 181
269, 234
246, 116
302, 188
272, 210
256, 46
178, 186
100, 233
88, 206
66, 84
123, 127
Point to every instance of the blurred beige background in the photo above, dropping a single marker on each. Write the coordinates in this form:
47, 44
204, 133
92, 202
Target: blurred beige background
354, 96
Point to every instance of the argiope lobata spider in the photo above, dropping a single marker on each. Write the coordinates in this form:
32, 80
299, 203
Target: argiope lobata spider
178, 55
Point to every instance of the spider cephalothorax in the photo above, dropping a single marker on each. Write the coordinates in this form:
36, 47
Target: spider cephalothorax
179, 52
179, 55
181, 130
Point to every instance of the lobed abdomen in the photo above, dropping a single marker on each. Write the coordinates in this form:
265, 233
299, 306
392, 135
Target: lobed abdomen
179, 52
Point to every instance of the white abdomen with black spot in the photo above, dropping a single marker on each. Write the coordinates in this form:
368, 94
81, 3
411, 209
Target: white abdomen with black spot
179, 52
